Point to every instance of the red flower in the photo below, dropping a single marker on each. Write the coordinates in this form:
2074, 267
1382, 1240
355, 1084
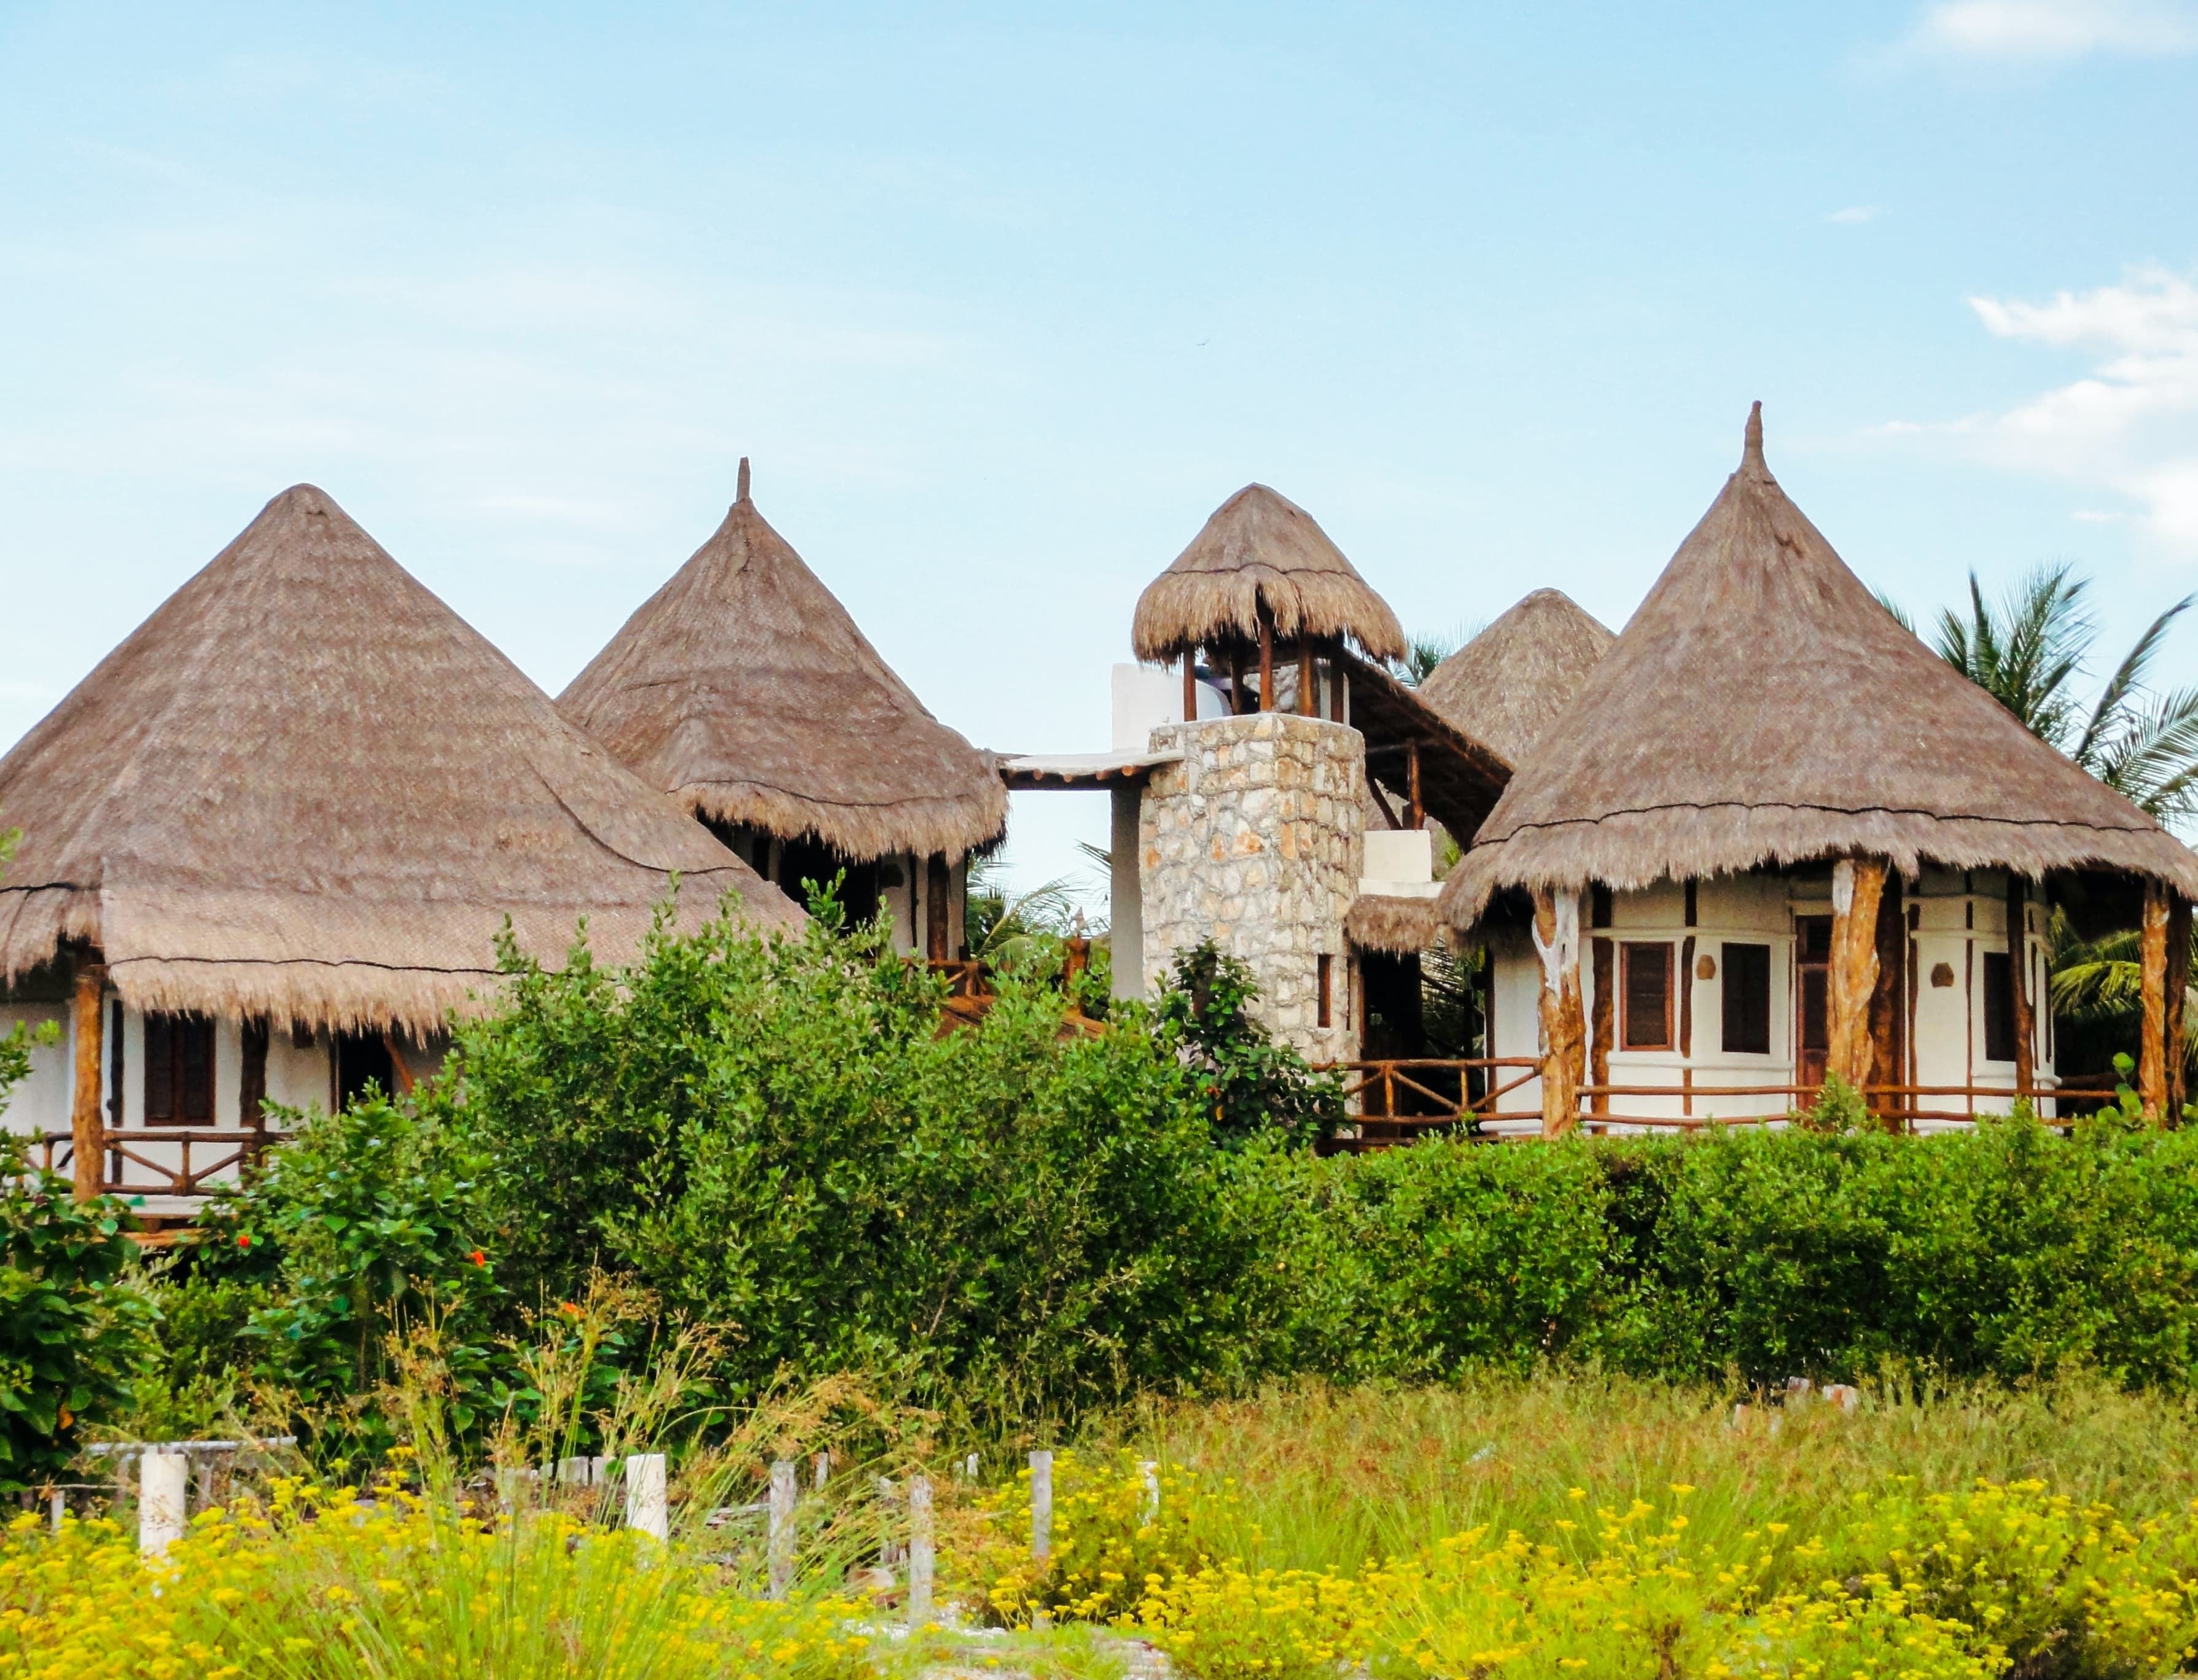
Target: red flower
244, 1240
478, 1257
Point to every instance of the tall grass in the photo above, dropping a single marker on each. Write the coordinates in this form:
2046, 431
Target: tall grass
1332, 1478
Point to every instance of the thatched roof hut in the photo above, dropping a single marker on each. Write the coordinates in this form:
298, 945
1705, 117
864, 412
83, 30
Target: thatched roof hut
743, 688
1761, 707
305, 788
1386, 923
1261, 550
1512, 681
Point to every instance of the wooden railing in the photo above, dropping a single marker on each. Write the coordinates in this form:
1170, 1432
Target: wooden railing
56, 1151
1393, 1101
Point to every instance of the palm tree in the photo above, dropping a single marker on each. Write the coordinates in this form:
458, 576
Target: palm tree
2029, 652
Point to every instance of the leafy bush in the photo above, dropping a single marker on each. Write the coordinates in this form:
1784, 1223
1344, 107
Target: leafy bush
1250, 1083
72, 1329
776, 1137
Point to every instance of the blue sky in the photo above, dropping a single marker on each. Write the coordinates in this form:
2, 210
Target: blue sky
1004, 301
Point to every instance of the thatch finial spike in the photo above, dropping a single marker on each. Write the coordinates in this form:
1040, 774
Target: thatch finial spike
742, 495
1751, 454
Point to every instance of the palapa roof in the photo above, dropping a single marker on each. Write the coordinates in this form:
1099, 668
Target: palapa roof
743, 688
1261, 548
1388, 922
1510, 682
1761, 707
305, 788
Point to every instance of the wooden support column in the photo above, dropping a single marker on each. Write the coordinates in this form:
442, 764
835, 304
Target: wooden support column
1604, 1023
87, 1124
1305, 677
2178, 989
938, 891
1236, 706
1190, 685
1858, 884
252, 1075
1564, 1029
1419, 812
2152, 1040
2018, 980
1888, 1004
1266, 659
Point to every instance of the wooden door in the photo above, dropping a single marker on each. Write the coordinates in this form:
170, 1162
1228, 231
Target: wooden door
1812, 999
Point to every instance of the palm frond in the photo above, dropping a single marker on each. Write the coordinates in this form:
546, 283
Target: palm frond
2128, 678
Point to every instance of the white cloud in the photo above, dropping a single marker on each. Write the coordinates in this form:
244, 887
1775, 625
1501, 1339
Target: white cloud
1856, 212
2131, 423
2036, 29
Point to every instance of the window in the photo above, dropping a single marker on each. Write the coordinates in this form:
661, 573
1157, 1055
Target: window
1647, 984
178, 1070
1746, 1000
1999, 1007
1327, 988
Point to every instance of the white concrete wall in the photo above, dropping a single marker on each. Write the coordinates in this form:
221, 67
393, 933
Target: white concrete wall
42, 1102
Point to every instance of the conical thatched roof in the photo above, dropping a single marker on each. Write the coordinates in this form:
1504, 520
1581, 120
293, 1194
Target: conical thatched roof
305, 788
743, 688
1510, 682
1762, 707
1260, 547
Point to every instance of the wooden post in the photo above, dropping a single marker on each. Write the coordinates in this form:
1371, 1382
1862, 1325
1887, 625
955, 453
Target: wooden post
2018, 980
922, 1552
1605, 1021
1557, 941
1190, 685
646, 1507
1857, 883
1888, 1016
1419, 812
1040, 1536
2152, 1041
784, 1477
2178, 989
1266, 659
87, 1124
1305, 677
251, 1076
1236, 706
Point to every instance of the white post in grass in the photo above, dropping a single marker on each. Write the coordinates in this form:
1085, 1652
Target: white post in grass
920, 1554
1149, 1511
162, 1479
782, 1487
646, 1507
1041, 1469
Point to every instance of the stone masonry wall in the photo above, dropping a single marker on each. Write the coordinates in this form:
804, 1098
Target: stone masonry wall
1256, 840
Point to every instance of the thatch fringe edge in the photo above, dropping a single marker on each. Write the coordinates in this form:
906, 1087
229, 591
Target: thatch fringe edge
1626, 853
1381, 921
953, 824
1182, 609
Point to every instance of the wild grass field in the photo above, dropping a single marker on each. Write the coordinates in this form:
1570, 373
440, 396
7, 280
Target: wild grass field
1558, 1525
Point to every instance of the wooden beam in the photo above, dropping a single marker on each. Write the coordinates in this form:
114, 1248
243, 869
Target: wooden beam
2018, 978
1888, 1012
1686, 980
1382, 803
1266, 659
1419, 811
2178, 989
2151, 1038
1564, 1030
1858, 884
87, 1124
1305, 677
252, 1075
1190, 685
398, 1071
1604, 1021
1236, 706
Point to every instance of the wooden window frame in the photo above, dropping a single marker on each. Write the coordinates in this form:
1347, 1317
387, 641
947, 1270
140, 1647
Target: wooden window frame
167, 1061
1726, 997
1627, 949
1324, 970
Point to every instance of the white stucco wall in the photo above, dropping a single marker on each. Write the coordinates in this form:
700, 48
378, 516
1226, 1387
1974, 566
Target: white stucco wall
41, 1102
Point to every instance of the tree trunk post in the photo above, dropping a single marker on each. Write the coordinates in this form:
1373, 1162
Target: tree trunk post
2175, 1025
1858, 884
2152, 1041
87, 1124
1190, 685
2018, 975
1305, 677
1564, 1027
1266, 660
1888, 1006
